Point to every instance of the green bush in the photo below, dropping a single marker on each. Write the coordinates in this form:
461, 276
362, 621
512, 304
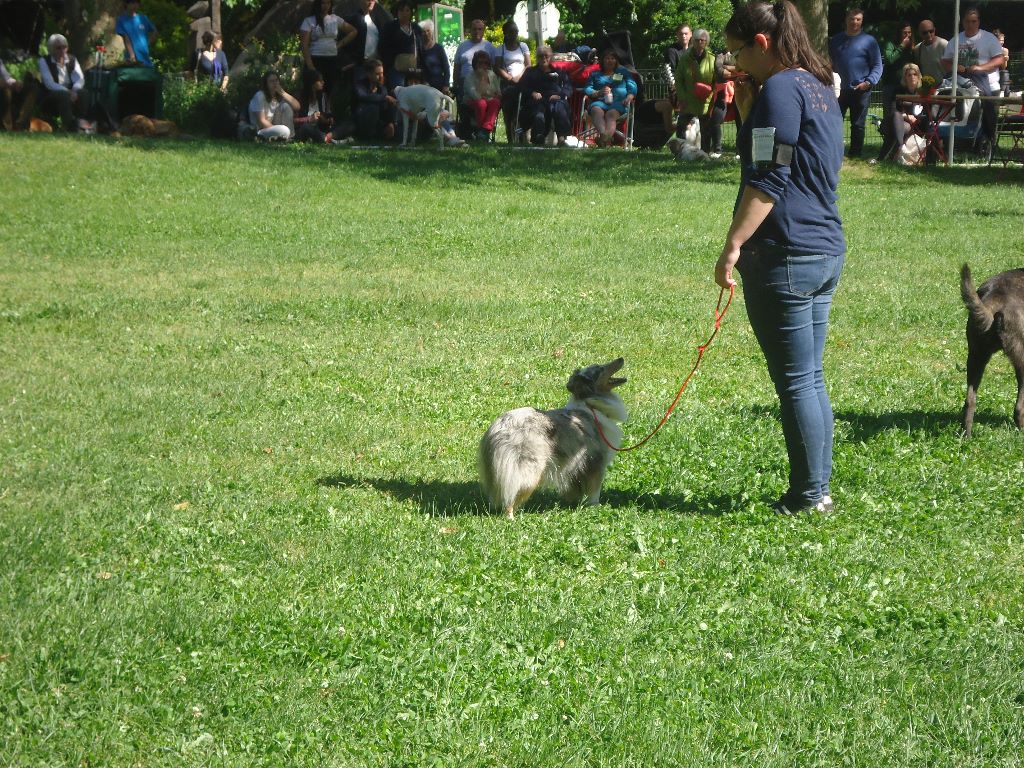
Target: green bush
280, 53
170, 47
198, 108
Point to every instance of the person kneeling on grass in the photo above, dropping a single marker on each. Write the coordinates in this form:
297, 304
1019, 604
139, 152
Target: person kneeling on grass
272, 110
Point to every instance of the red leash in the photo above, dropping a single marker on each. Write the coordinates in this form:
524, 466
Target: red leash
700, 356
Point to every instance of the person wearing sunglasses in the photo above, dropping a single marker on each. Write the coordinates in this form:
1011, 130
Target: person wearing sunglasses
928, 52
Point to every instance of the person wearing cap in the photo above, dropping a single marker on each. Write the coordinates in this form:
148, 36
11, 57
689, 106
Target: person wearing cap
137, 32
63, 82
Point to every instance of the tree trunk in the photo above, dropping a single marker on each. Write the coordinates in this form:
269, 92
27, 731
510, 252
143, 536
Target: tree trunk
815, 13
215, 15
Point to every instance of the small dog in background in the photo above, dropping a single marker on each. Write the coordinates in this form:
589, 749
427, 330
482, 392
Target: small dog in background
688, 148
147, 127
526, 448
422, 101
995, 321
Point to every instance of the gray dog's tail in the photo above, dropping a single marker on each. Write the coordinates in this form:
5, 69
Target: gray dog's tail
981, 316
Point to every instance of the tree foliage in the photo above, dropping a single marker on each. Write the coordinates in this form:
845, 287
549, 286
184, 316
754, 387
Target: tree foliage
651, 22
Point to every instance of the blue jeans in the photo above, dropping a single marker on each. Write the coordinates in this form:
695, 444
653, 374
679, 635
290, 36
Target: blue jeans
857, 102
788, 299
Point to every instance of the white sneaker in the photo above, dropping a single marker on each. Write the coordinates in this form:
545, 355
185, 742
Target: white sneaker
715, 155
454, 141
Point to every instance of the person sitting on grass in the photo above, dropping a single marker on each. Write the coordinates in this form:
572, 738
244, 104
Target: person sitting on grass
546, 93
611, 89
63, 82
375, 110
316, 120
272, 110
482, 93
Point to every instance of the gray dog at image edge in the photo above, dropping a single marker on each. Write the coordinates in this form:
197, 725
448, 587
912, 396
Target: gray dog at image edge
995, 321
526, 448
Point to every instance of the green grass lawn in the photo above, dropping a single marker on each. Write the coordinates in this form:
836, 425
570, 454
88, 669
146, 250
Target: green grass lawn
240, 398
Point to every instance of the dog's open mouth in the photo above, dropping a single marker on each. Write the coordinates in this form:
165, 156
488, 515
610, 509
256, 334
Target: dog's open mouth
607, 378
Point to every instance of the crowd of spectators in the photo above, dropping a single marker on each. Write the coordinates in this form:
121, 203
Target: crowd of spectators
352, 64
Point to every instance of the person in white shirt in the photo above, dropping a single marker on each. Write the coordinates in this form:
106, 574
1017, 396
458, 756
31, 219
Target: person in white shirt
510, 62
63, 82
321, 34
979, 57
272, 110
467, 50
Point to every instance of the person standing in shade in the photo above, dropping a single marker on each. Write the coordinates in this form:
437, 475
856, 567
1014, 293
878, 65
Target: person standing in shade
897, 54
683, 37
786, 238
928, 52
858, 60
137, 33
321, 35
467, 50
979, 57
209, 62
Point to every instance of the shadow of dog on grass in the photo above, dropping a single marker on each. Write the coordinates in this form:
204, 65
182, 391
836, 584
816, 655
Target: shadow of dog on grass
444, 498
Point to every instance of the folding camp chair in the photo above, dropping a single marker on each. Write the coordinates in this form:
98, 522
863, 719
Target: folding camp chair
587, 133
1009, 143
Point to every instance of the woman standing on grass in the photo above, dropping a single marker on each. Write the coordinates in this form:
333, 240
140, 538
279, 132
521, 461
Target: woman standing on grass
786, 237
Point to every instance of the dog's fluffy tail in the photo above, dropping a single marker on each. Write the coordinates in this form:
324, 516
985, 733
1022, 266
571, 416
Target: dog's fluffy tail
981, 316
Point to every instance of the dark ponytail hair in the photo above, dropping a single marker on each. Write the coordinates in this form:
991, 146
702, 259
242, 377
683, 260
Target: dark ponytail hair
780, 21
317, 12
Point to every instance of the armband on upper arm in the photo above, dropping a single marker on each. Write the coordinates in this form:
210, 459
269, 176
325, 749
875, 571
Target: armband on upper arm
767, 153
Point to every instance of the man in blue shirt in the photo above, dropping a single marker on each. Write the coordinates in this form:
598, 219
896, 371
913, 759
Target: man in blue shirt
137, 32
857, 59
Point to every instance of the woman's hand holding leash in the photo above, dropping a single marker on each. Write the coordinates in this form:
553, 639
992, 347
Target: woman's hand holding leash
723, 269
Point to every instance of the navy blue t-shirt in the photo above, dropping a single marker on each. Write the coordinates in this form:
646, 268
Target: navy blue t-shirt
805, 115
